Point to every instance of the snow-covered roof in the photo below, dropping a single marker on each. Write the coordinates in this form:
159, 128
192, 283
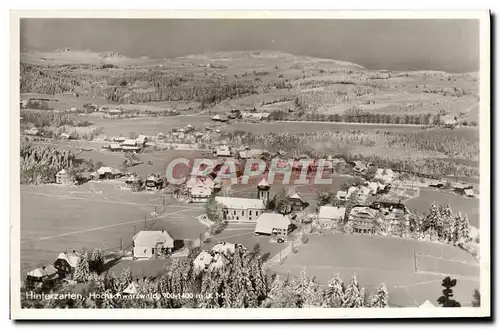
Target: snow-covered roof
71, 259
331, 212
203, 259
202, 191
263, 182
153, 238
427, 304
131, 288
269, 221
240, 203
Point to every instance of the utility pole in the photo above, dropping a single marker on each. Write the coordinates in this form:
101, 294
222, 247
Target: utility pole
144, 222
134, 230
121, 243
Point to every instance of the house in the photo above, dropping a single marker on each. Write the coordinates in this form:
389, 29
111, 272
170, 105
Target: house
223, 151
62, 177
65, 136
32, 132
141, 140
225, 248
363, 219
154, 183
200, 194
66, 264
108, 173
119, 139
448, 121
131, 289
241, 209
338, 163
203, 260
42, 274
464, 190
427, 304
255, 116
147, 244
342, 196
295, 203
385, 175
219, 118
115, 147
396, 220
133, 182
362, 192
273, 224
375, 187
263, 188
331, 216
114, 112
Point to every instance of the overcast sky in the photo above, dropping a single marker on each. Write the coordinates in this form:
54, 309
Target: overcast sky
450, 45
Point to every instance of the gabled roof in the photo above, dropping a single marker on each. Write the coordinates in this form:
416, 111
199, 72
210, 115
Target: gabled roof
225, 248
363, 211
331, 212
37, 273
295, 195
268, 221
427, 304
71, 259
103, 170
203, 259
132, 288
263, 182
153, 238
240, 203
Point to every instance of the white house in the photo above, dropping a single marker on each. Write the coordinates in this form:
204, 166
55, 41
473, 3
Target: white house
200, 193
203, 260
385, 175
241, 209
269, 223
331, 216
149, 243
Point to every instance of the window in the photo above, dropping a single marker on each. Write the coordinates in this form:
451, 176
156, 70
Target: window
237, 218
235, 212
249, 213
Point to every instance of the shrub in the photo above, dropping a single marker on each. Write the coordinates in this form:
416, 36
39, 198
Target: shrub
304, 239
295, 250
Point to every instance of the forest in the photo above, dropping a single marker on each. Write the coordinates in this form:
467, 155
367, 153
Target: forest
241, 282
40, 164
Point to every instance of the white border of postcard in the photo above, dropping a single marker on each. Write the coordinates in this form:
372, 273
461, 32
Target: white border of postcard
260, 313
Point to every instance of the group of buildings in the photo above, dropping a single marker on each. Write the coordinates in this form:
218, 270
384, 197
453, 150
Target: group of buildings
122, 144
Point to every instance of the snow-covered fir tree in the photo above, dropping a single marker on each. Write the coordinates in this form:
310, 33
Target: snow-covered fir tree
380, 299
82, 270
351, 293
432, 220
359, 301
446, 215
334, 293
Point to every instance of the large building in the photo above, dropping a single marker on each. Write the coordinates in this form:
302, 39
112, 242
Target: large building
241, 209
331, 216
273, 224
147, 244
363, 219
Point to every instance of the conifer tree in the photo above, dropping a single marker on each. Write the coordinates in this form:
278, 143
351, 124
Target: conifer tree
359, 301
351, 293
82, 269
304, 286
334, 293
446, 215
432, 220
380, 299
96, 261
125, 279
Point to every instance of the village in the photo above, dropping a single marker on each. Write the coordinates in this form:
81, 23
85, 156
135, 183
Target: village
372, 203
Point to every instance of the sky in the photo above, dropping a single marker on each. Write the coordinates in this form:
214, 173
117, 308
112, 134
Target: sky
448, 45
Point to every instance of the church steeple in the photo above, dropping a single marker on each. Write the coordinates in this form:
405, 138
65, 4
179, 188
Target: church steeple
263, 190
